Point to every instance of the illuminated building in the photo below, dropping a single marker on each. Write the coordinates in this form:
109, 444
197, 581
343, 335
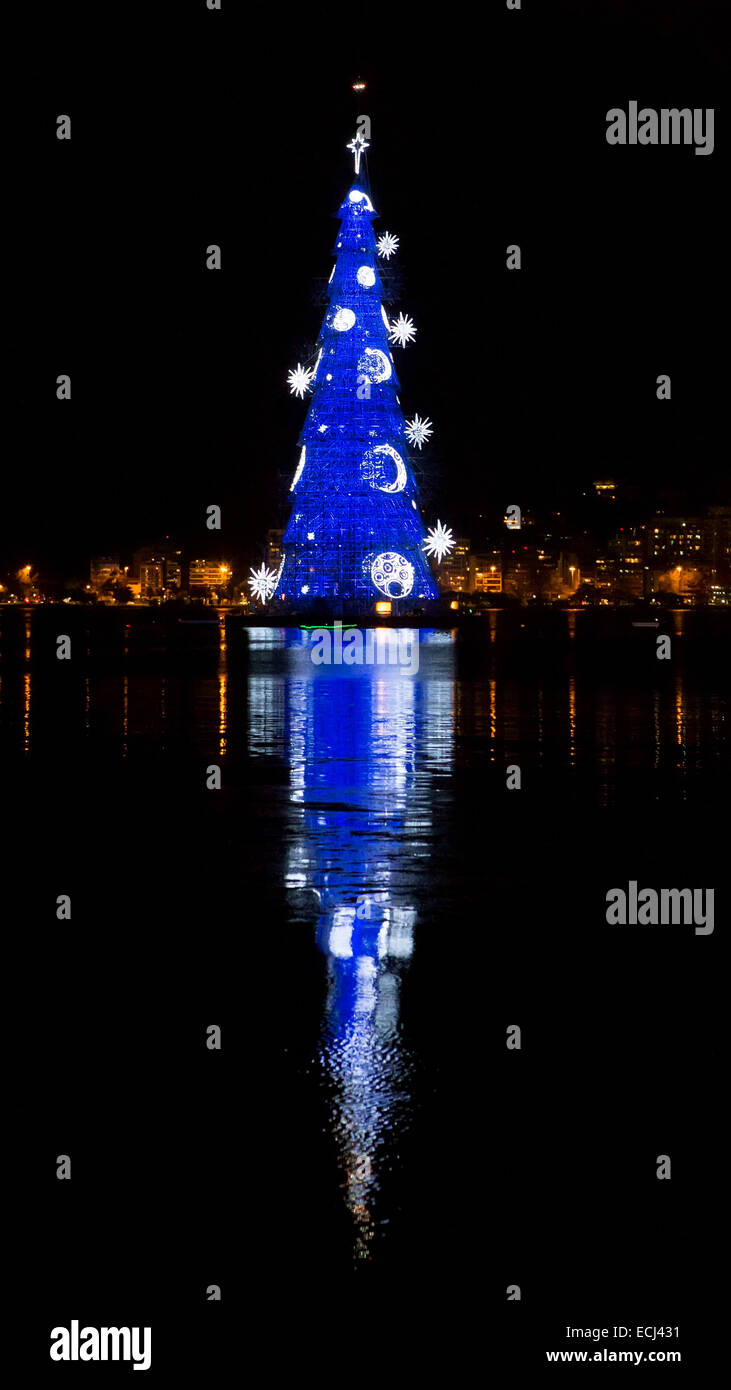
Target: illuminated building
486, 573
719, 523
274, 550
208, 576
529, 572
102, 569
158, 570
453, 574
673, 539
152, 578
630, 571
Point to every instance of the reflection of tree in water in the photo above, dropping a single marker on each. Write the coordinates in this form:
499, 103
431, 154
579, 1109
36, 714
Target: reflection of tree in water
355, 748
366, 1067
364, 748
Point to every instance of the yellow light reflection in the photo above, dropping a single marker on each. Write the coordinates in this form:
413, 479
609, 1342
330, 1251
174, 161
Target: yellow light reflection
679, 713
125, 714
572, 720
26, 711
222, 688
493, 717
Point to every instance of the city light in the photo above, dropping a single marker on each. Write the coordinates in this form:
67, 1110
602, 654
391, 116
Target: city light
686, 560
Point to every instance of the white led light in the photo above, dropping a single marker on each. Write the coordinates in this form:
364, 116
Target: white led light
263, 582
419, 431
392, 574
373, 460
387, 245
343, 320
439, 541
357, 196
402, 330
375, 365
358, 147
299, 380
298, 470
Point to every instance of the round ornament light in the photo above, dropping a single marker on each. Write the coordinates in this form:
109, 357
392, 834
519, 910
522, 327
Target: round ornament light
392, 574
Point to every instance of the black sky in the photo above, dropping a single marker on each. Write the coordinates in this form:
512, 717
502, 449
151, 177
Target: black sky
192, 127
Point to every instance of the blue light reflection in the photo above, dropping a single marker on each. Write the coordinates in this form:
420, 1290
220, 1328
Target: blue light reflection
363, 753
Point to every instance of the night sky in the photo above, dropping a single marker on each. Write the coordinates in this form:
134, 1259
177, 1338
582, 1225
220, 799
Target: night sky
194, 127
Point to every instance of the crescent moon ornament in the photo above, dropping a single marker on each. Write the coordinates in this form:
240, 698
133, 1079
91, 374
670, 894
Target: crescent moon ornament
399, 482
373, 468
375, 365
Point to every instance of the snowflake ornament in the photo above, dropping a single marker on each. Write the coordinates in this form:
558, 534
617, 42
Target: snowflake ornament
387, 245
402, 330
419, 431
263, 582
299, 380
439, 541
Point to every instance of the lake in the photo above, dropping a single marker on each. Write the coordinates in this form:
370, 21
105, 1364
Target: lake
364, 908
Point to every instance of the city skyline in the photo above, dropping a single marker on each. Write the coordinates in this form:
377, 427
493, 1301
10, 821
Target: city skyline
548, 558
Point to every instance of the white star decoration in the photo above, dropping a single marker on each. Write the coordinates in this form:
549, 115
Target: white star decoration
419, 431
439, 541
387, 245
358, 146
402, 330
263, 582
299, 380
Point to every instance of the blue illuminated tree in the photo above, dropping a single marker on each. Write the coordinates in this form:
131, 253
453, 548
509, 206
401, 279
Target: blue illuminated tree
355, 534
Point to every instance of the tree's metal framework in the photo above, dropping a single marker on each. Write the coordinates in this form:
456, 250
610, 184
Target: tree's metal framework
355, 533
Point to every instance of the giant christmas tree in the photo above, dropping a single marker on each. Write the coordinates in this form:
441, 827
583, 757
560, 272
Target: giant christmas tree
355, 535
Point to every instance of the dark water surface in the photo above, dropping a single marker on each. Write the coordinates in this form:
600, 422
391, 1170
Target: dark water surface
364, 908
